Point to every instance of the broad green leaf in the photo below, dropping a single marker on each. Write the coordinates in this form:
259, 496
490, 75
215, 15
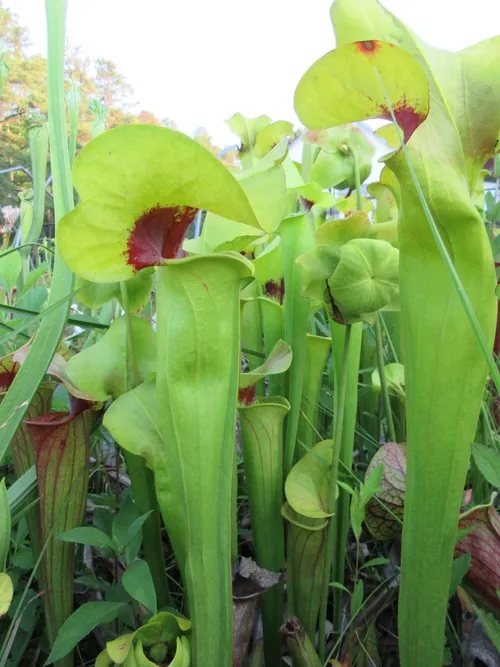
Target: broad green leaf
488, 462
166, 177
101, 370
87, 535
306, 487
10, 268
341, 87
138, 583
6, 593
132, 420
277, 362
80, 623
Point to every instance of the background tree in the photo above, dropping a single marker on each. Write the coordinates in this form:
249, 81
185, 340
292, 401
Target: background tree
25, 96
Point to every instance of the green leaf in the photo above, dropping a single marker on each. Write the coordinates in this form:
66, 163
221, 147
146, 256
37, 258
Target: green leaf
341, 587
138, 583
374, 562
123, 520
488, 462
10, 268
138, 289
277, 362
182, 653
135, 527
167, 176
80, 623
357, 598
372, 483
33, 276
87, 535
306, 487
6, 593
101, 370
132, 420
458, 572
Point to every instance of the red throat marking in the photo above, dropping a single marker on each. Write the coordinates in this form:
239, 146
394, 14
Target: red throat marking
157, 235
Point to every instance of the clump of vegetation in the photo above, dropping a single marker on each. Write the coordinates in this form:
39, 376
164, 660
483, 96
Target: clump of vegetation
274, 441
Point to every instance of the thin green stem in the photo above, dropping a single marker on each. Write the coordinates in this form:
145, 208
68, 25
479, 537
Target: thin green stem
383, 380
332, 490
357, 180
143, 484
133, 378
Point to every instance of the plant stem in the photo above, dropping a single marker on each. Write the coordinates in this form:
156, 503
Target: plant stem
133, 378
383, 380
143, 485
357, 180
332, 492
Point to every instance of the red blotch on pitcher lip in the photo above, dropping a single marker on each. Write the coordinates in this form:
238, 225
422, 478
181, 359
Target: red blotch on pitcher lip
406, 116
157, 235
246, 396
7, 376
368, 47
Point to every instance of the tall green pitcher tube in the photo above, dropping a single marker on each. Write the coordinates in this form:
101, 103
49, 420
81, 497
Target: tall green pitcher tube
262, 439
198, 324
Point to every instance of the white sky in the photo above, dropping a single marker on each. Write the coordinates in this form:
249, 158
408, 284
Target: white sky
199, 61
